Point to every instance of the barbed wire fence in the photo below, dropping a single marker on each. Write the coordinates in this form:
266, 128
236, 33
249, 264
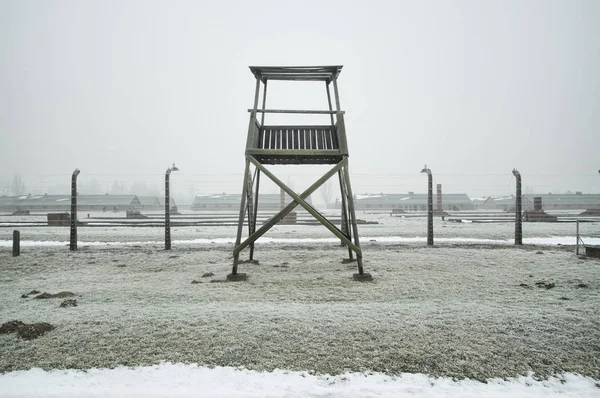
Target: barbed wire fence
185, 186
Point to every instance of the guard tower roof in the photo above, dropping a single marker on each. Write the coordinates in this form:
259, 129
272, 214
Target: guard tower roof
302, 73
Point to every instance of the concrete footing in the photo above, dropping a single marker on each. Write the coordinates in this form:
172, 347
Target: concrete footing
236, 277
348, 260
366, 277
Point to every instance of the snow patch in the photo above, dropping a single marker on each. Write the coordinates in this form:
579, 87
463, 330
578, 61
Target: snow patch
544, 241
179, 380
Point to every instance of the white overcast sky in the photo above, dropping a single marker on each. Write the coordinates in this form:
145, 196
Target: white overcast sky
472, 88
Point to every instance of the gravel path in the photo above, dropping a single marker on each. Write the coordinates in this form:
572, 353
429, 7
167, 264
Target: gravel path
457, 311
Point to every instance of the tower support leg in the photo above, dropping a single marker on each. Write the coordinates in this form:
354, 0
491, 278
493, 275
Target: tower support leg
361, 274
238, 239
255, 215
250, 202
345, 225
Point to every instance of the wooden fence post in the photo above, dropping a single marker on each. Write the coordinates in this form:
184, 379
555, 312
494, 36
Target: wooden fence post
429, 205
518, 209
16, 248
168, 207
73, 235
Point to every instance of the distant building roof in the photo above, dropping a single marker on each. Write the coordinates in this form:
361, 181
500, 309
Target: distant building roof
479, 200
217, 199
108, 200
58, 201
551, 199
149, 200
222, 199
413, 198
567, 199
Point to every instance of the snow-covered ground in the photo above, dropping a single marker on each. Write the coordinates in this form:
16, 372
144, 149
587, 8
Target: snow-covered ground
548, 241
178, 380
468, 309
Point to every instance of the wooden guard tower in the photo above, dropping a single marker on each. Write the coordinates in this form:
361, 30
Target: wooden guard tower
296, 145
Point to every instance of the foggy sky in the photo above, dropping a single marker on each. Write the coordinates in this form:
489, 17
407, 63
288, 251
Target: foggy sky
473, 89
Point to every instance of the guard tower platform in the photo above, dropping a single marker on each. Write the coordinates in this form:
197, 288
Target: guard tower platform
296, 145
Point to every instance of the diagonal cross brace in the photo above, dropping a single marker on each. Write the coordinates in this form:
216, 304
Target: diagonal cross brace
300, 200
325, 220
275, 219
250, 202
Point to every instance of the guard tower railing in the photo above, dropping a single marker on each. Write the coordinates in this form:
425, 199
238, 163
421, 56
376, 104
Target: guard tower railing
297, 144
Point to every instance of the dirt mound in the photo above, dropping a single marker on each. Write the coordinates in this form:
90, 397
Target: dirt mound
57, 295
34, 330
547, 285
64, 294
44, 296
26, 331
69, 303
11, 327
